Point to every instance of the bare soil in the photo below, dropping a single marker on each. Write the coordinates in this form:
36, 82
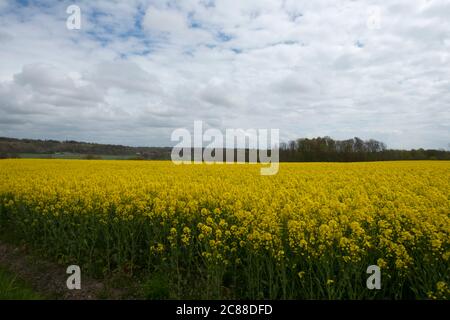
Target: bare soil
49, 279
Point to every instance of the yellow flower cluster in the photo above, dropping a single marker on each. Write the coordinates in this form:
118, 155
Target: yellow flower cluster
323, 220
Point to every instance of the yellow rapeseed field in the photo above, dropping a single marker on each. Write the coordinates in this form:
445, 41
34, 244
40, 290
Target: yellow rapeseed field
225, 231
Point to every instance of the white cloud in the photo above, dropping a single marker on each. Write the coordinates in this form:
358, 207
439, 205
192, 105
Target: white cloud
165, 20
138, 69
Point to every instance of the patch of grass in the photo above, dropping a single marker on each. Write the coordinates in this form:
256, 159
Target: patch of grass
156, 287
13, 288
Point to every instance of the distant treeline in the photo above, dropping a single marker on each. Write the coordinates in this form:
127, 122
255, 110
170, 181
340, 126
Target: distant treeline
12, 148
300, 150
356, 149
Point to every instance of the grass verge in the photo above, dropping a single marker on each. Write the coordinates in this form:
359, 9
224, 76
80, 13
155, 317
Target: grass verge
14, 288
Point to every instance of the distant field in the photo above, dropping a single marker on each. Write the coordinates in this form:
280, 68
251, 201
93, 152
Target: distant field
68, 155
225, 231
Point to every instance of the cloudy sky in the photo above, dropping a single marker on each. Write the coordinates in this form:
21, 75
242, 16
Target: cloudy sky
137, 70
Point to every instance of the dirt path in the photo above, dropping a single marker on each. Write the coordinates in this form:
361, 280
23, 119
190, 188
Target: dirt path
49, 279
